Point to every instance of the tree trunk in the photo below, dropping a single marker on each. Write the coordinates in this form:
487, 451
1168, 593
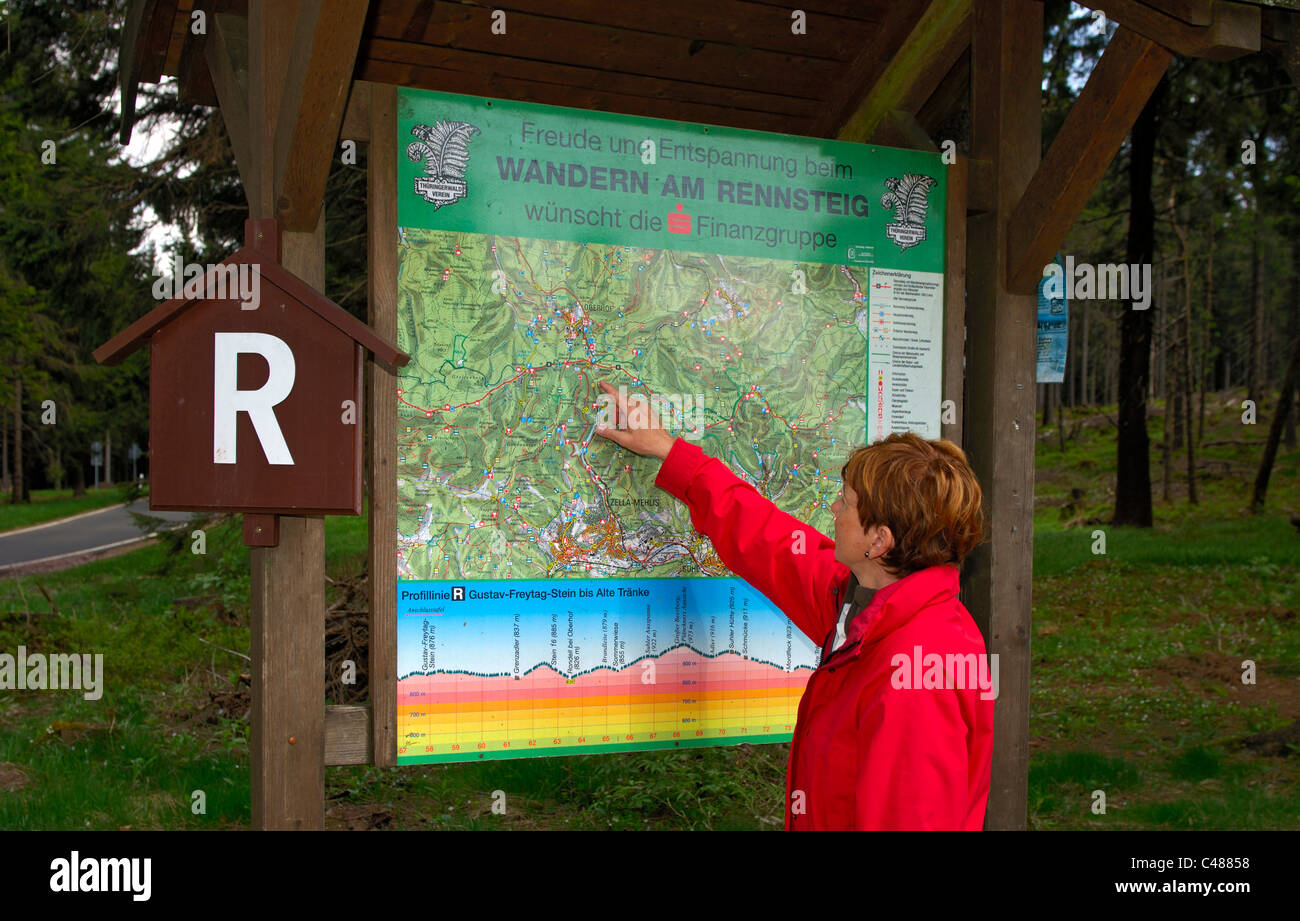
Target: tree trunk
1109, 353
17, 495
1133, 451
1186, 364
1170, 323
1181, 382
1275, 430
1166, 449
1205, 327
4, 453
1266, 334
1167, 419
1295, 410
1158, 384
1254, 371
1295, 309
1083, 363
78, 479
1059, 389
1112, 364
1046, 391
1071, 359
108, 457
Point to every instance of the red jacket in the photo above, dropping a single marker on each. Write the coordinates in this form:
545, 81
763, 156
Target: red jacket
870, 750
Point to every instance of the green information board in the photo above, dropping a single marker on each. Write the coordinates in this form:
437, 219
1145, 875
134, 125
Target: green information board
778, 299
517, 169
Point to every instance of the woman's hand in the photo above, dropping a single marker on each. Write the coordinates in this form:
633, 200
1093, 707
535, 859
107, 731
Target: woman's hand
636, 427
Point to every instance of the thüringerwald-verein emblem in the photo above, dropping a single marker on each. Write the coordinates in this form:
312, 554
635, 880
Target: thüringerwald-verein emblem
444, 148
909, 199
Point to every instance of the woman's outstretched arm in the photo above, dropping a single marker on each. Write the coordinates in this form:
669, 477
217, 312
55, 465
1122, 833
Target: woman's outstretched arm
790, 562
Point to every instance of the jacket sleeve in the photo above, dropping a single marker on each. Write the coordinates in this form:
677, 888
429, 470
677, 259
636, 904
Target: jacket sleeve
756, 540
913, 774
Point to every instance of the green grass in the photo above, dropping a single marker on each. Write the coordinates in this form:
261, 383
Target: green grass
52, 504
1269, 538
126, 774
137, 764
1135, 682
1138, 651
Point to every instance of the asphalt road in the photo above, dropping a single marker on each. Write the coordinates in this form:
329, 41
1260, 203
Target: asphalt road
98, 529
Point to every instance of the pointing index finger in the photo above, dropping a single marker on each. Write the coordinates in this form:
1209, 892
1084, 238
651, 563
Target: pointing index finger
620, 400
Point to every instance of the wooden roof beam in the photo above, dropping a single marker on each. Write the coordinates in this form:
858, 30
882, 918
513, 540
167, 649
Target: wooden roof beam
899, 128
227, 55
1282, 38
356, 117
952, 93
155, 38
145, 44
1192, 12
179, 37
317, 82
194, 78
926, 56
1233, 29
1099, 120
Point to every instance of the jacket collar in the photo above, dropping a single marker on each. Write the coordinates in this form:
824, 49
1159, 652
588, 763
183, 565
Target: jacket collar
895, 604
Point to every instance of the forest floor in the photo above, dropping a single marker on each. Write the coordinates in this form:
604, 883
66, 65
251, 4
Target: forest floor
1136, 679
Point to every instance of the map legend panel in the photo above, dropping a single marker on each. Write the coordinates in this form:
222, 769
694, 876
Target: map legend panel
906, 353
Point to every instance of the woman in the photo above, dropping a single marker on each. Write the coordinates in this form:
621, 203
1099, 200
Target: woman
895, 727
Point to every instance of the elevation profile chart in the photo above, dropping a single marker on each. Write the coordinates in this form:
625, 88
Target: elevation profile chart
536, 667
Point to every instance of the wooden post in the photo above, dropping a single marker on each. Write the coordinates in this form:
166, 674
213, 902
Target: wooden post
381, 243
288, 581
954, 299
1006, 72
288, 640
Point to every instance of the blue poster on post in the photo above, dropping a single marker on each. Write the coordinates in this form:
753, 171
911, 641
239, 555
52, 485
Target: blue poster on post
1053, 333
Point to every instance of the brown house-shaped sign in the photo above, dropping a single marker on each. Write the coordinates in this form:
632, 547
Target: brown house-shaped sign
255, 402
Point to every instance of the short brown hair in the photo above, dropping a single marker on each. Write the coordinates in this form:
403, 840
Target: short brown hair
925, 493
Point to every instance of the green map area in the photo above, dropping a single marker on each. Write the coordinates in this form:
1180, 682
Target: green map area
760, 362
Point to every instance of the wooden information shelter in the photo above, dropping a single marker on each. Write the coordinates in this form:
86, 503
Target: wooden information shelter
295, 78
